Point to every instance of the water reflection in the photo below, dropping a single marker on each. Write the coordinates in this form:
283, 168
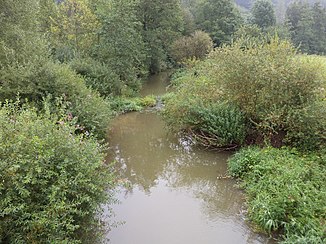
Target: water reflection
156, 84
139, 148
174, 195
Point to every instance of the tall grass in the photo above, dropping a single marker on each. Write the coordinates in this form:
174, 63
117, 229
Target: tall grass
286, 191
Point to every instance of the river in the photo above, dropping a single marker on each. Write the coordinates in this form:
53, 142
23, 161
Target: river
172, 193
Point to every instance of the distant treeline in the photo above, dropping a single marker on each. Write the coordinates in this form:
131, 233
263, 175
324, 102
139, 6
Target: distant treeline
248, 3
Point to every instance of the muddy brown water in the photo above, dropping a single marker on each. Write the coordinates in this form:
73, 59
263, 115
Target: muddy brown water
172, 192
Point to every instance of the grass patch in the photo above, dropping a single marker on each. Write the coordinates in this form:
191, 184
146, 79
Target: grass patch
285, 191
123, 105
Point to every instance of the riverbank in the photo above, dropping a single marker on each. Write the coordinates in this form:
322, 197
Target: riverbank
285, 191
268, 96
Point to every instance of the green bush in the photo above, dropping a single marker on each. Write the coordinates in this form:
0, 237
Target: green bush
93, 112
285, 191
58, 80
241, 163
220, 124
124, 105
98, 76
198, 45
148, 101
308, 127
270, 83
103, 78
211, 125
189, 91
52, 181
278, 91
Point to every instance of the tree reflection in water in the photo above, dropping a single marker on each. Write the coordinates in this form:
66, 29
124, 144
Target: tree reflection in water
157, 163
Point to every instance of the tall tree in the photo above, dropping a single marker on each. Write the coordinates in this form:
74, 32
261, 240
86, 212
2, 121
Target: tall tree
218, 18
188, 19
121, 45
263, 14
162, 25
73, 28
319, 28
307, 26
18, 29
22, 50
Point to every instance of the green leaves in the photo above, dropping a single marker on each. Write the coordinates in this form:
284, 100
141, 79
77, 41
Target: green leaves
307, 26
162, 25
263, 14
285, 190
278, 92
51, 180
218, 18
212, 124
218, 125
120, 47
196, 46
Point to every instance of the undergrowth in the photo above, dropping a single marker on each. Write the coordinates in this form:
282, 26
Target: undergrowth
52, 181
285, 191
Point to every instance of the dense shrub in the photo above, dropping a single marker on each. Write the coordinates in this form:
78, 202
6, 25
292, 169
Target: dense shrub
98, 76
308, 127
211, 125
18, 62
51, 180
58, 80
198, 45
101, 77
273, 87
285, 190
266, 79
189, 91
92, 111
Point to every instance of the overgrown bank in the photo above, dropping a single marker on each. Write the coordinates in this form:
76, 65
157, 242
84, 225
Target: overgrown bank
79, 55
262, 93
52, 181
263, 89
285, 191
76, 57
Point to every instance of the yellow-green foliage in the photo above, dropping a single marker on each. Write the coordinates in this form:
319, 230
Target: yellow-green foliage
269, 82
198, 45
73, 25
265, 78
321, 60
148, 101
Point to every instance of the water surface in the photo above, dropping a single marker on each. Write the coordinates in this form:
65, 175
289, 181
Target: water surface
156, 84
172, 192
